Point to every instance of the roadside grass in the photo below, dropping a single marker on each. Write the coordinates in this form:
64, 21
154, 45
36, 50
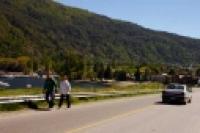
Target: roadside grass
113, 87
19, 91
132, 90
11, 107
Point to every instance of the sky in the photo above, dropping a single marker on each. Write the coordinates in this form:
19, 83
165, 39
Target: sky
176, 16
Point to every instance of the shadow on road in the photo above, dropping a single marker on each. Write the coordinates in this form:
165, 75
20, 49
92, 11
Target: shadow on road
34, 106
168, 103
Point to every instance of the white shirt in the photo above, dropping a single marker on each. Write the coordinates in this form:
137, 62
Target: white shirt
65, 87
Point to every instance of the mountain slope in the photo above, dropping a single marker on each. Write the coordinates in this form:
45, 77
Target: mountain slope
48, 29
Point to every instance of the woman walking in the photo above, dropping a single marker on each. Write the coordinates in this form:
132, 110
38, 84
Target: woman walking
65, 89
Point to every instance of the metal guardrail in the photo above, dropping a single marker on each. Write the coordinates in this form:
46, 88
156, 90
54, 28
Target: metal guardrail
26, 98
41, 97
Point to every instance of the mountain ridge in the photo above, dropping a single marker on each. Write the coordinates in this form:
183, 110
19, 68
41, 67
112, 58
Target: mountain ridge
49, 29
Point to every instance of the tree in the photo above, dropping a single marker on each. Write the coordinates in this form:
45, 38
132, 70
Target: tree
48, 64
23, 61
108, 72
120, 75
147, 74
99, 70
100, 74
137, 74
172, 72
198, 72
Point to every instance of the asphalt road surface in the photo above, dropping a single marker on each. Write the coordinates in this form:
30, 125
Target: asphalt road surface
144, 114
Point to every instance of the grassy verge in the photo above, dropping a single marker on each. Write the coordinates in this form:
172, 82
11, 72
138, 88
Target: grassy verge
130, 91
20, 91
93, 88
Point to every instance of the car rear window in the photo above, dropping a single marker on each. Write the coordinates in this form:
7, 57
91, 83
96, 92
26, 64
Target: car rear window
175, 87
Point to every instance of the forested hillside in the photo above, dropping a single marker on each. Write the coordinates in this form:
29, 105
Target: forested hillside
50, 32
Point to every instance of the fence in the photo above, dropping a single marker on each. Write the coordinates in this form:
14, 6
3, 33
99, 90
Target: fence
21, 99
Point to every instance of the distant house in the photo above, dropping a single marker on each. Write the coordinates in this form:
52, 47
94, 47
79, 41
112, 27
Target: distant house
3, 73
158, 78
184, 79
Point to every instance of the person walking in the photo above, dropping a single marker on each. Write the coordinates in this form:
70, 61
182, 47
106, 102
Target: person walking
49, 91
65, 89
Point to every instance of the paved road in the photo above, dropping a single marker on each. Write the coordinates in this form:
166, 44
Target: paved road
128, 115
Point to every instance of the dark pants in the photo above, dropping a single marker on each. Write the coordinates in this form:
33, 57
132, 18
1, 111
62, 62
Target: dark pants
67, 98
50, 99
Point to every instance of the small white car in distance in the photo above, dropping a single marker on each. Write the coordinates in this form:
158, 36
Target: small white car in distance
177, 93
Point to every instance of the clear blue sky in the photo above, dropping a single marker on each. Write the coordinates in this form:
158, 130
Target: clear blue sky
177, 16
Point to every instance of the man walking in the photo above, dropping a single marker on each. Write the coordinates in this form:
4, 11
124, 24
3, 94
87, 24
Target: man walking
49, 90
65, 89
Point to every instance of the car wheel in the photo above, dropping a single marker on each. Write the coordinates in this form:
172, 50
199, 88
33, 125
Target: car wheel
185, 101
190, 100
164, 100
